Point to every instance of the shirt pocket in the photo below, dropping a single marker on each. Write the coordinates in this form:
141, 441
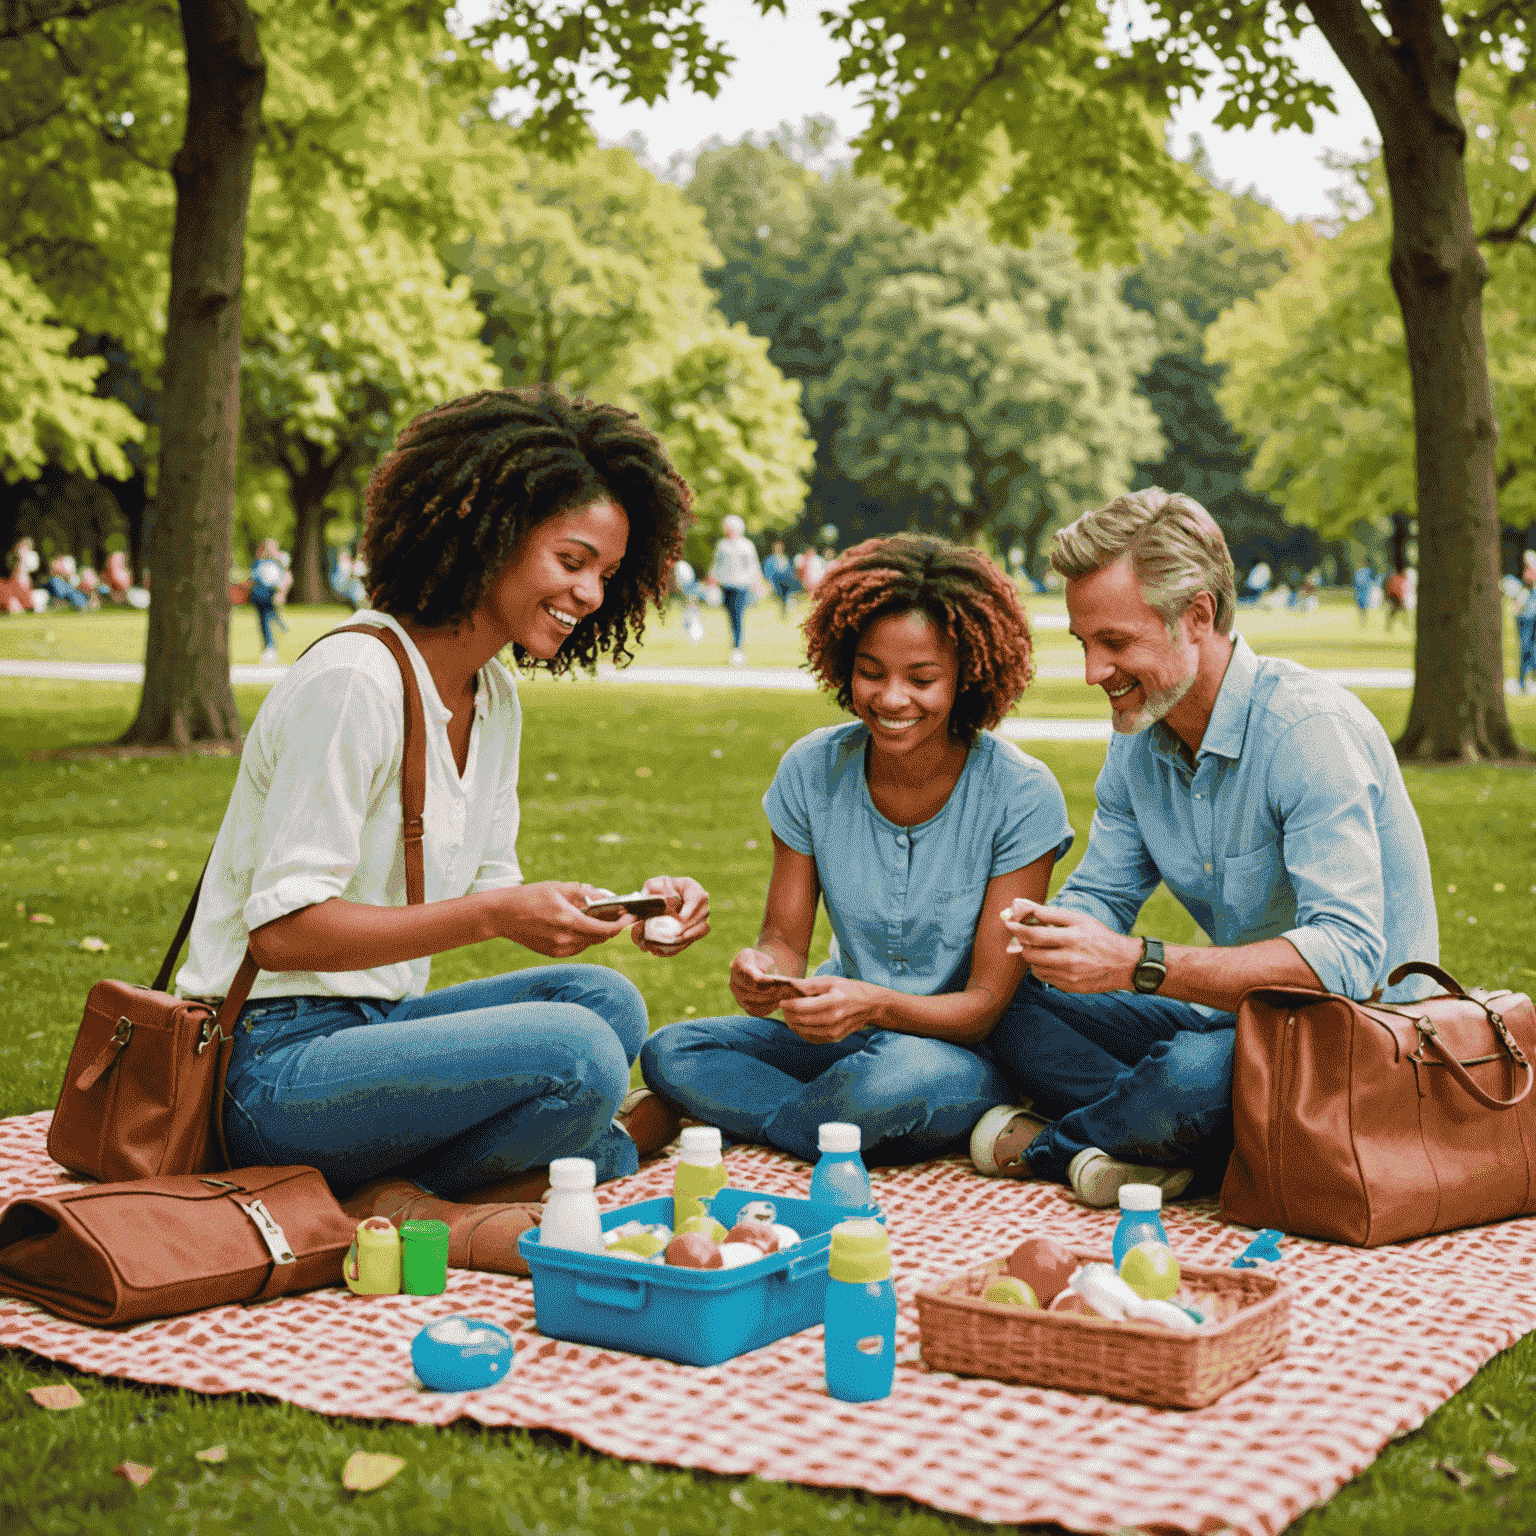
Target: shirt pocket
1257, 898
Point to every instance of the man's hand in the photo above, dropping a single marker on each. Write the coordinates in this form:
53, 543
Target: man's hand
546, 917
688, 902
1071, 950
832, 1007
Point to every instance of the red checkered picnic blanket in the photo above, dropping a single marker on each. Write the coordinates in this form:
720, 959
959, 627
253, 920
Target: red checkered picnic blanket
1377, 1340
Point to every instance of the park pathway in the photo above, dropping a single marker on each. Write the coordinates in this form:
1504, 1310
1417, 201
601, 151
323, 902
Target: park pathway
739, 678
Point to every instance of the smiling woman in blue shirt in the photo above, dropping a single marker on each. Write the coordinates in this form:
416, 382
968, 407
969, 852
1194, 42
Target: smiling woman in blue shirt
1267, 799
917, 828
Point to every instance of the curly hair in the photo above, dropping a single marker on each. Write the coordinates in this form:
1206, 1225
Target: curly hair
964, 596
466, 480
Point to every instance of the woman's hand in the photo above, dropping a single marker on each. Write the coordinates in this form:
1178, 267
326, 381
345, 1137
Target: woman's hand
547, 917
830, 1008
750, 986
688, 902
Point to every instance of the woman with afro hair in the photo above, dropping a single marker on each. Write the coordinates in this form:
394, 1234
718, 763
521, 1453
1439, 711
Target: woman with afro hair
510, 518
916, 827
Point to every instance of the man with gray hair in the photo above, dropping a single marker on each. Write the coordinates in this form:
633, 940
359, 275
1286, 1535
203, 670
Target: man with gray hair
1265, 797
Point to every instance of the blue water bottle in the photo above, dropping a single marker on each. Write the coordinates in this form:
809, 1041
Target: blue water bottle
1139, 1220
840, 1177
860, 1313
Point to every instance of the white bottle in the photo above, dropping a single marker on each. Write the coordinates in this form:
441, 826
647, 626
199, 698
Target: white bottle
570, 1217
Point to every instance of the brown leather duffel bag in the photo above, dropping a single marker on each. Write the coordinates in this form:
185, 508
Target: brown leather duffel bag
1371, 1123
110, 1254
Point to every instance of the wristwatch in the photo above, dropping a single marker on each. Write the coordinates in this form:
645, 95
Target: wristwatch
1151, 970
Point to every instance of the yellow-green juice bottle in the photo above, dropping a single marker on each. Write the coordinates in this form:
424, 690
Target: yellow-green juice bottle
700, 1174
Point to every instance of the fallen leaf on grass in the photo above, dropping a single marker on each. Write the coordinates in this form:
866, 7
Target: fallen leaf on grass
60, 1396
135, 1471
1491, 1411
1499, 1467
1456, 1475
39, 917
213, 1453
95, 945
367, 1470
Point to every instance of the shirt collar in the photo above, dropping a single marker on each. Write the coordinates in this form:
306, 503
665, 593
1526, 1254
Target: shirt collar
1228, 725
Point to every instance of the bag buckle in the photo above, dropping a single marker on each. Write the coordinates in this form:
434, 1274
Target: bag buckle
1510, 1043
124, 1030
207, 1035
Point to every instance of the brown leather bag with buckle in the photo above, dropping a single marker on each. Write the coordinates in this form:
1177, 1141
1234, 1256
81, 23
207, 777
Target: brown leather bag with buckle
1371, 1123
110, 1254
143, 1094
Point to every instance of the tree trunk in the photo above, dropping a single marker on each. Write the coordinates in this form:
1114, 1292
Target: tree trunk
307, 490
1458, 712
186, 695
1034, 531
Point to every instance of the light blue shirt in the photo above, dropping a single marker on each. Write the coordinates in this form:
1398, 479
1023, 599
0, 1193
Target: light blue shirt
904, 901
1293, 823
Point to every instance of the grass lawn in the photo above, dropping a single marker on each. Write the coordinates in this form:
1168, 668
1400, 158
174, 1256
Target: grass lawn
108, 849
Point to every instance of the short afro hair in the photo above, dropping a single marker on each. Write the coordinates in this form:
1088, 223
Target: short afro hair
448, 504
963, 594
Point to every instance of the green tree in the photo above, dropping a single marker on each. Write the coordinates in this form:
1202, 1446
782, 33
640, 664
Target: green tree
593, 278
1185, 287
1319, 377
983, 387
49, 409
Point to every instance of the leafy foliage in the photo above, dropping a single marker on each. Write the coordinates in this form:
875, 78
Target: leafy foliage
1318, 370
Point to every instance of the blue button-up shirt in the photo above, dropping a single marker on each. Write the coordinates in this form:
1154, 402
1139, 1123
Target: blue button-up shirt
1293, 822
904, 902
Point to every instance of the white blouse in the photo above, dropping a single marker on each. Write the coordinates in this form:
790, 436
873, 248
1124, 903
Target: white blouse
316, 813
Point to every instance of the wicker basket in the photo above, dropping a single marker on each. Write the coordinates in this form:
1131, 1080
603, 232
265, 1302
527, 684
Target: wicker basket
1138, 1361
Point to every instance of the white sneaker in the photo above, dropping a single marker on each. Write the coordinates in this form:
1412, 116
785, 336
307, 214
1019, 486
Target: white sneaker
738, 659
1000, 1139
1097, 1177
268, 657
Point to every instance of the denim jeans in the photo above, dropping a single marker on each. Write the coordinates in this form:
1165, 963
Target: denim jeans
1144, 1078
455, 1089
759, 1081
1526, 628
736, 600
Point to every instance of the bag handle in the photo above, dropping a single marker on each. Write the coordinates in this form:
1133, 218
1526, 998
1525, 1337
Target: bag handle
220, 1031
1430, 1036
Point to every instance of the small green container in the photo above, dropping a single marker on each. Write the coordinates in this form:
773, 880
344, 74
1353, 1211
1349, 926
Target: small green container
424, 1258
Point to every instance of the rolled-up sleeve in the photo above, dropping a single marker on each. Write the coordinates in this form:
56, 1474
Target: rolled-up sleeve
326, 769
1117, 874
1324, 787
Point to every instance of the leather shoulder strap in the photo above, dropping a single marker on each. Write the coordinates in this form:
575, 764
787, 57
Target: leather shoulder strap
413, 794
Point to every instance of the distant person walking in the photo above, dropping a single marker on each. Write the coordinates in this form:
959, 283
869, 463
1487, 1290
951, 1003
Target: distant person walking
1525, 626
736, 572
780, 575
1397, 594
270, 581
1365, 589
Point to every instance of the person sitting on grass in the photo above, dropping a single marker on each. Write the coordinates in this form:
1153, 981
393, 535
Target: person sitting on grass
916, 826
1265, 797
508, 518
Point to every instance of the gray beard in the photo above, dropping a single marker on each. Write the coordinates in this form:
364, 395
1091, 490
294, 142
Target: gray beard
1157, 705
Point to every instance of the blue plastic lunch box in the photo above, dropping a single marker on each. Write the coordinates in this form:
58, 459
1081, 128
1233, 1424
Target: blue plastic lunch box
692, 1316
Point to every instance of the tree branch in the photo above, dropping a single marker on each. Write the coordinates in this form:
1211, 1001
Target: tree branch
1515, 230
15, 130
20, 18
1052, 8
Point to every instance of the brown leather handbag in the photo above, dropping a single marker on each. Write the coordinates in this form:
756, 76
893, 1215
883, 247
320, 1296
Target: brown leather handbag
1371, 1123
143, 1093
121, 1253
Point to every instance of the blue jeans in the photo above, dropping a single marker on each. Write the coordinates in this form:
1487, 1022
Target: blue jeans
1526, 629
736, 600
1144, 1078
759, 1081
455, 1089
